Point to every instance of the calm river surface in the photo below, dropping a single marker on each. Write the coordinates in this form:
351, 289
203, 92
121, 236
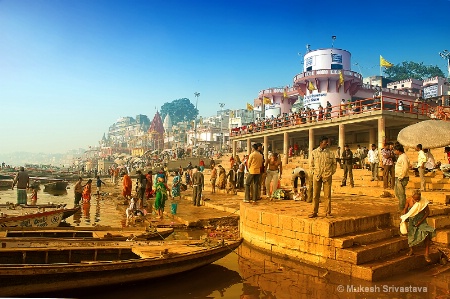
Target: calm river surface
245, 273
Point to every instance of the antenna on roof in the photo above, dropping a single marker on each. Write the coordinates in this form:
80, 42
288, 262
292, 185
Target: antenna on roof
333, 37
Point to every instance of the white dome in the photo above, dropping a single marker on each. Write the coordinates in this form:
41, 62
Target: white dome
167, 123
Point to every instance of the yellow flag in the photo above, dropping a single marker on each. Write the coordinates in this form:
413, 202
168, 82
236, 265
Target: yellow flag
311, 86
267, 101
341, 78
249, 107
385, 63
284, 93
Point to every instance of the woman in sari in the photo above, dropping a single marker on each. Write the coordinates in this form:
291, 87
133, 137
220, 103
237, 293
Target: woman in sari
161, 197
222, 178
416, 211
176, 186
87, 191
127, 186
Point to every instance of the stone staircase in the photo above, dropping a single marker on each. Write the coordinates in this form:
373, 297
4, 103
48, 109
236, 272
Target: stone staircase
366, 247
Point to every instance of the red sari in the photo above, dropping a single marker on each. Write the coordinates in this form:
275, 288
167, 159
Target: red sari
149, 186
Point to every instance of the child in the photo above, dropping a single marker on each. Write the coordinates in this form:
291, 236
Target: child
99, 185
33, 196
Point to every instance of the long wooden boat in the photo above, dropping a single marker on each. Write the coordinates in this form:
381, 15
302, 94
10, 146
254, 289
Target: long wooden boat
55, 266
84, 234
41, 219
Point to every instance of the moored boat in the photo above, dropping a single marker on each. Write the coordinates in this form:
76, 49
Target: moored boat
92, 234
60, 265
56, 186
50, 218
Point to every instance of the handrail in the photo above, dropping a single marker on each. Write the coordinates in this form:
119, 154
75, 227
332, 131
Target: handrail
292, 120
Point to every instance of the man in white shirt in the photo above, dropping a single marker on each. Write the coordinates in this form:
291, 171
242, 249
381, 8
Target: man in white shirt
374, 161
421, 160
431, 163
401, 175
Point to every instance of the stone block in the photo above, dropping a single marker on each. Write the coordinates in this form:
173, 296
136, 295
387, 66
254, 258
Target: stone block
442, 236
301, 225
439, 221
285, 222
269, 218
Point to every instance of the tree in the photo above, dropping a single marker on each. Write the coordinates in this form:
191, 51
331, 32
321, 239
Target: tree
410, 69
179, 110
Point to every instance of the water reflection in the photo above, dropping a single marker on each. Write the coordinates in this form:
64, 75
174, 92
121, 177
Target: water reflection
86, 207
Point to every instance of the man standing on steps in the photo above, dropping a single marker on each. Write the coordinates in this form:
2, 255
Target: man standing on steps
323, 166
401, 175
421, 160
254, 164
198, 182
372, 155
347, 162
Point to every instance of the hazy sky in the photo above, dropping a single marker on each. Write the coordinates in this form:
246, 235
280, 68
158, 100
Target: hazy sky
70, 68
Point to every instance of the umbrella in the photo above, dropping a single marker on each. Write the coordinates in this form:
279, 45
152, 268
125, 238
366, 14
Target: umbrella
118, 161
429, 133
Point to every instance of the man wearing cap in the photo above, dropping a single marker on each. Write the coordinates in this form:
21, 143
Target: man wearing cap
323, 166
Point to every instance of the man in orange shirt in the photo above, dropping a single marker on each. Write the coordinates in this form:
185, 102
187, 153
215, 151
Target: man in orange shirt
254, 163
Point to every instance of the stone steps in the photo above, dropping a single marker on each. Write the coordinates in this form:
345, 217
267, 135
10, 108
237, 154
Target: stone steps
365, 238
393, 265
373, 251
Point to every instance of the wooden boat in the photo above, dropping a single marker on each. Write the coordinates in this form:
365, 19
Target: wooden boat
61, 265
38, 219
56, 186
92, 234
6, 183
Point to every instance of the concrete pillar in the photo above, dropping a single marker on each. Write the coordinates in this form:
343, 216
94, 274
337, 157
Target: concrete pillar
273, 145
341, 137
286, 147
311, 144
249, 146
381, 132
372, 137
234, 147
266, 145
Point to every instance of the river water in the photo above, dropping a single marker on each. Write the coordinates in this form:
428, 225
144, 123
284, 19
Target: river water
245, 273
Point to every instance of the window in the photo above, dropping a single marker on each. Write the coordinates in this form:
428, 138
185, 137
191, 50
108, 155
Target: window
336, 66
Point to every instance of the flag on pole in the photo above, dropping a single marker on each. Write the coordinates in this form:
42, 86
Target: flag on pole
341, 78
267, 101
249, 107
385, 63
284, 93
311, 86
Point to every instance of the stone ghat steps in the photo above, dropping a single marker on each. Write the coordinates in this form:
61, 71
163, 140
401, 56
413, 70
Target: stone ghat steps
395, 264
366, 253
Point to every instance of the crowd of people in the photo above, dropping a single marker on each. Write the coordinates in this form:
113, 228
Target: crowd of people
345, 108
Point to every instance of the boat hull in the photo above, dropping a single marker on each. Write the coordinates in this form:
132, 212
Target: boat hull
141, 262
40, 219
